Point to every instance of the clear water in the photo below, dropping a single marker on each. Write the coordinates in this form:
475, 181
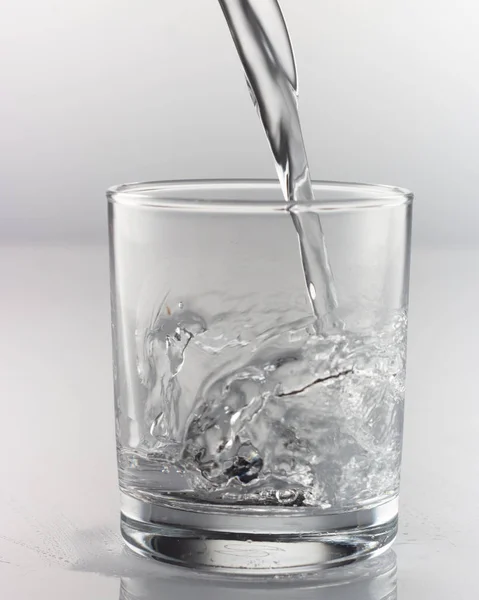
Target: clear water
302, 413
296, 418
263, 43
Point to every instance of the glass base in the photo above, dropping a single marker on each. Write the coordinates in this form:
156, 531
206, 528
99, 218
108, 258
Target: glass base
254, 540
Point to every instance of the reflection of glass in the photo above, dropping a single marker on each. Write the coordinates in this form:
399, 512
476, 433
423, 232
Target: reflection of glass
373, 579
250, 434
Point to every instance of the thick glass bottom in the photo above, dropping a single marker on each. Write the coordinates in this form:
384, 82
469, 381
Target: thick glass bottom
256, 540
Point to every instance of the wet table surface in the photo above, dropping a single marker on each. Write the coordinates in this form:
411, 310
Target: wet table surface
59, 535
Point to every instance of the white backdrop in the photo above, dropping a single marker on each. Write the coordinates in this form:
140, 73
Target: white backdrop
98, 92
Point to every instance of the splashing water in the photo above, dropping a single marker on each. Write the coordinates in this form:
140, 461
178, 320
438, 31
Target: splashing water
296, 418
294, 412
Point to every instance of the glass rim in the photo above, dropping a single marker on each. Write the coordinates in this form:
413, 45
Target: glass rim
198, 195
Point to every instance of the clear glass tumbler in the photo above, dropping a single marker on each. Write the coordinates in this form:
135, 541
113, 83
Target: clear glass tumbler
252, 436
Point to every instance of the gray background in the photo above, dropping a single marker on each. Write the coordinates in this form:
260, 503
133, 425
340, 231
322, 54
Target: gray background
104, 91
101, 92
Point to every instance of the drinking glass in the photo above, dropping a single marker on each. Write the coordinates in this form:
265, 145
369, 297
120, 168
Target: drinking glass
254, 436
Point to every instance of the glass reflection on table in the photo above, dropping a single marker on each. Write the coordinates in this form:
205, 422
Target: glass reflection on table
373, 579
